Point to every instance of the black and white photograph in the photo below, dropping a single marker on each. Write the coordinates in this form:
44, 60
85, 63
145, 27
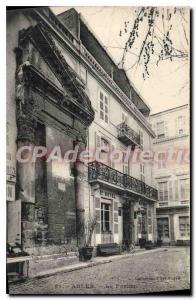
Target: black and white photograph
98, 119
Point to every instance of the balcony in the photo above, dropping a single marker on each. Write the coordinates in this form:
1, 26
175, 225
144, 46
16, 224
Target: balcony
105, 174
127, 135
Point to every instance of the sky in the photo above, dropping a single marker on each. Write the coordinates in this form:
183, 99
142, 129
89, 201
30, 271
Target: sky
168, 84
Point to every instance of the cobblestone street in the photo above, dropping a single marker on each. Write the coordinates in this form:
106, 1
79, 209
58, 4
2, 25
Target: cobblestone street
149, 272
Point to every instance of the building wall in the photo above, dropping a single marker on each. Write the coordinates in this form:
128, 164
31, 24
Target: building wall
175, 170
53, 213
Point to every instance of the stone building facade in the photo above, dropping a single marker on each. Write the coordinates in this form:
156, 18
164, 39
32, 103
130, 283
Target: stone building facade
172, 174
64, 89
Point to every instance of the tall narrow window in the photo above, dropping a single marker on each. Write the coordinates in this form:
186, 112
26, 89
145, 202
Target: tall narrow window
184, 226
103, 107
141, 138
105, 217
163, 191
184, 189
142, 173
125, 166
124, 118
161, 160
160, 130
83, 74
105, 148
180, 125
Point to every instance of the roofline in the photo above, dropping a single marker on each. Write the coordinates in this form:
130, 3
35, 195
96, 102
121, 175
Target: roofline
110, 56
136, 90
96, 37
170, 109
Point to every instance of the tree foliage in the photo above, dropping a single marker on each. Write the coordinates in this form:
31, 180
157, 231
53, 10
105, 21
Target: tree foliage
152, 36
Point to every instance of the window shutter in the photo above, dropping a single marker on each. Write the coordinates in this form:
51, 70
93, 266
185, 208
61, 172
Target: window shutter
176, 190
98, 214
115, 217
170, 190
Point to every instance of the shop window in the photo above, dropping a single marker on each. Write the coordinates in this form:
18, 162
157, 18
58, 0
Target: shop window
163, 227
184, 226
105, 217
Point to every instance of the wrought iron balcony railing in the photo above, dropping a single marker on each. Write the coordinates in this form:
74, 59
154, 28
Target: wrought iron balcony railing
127, 135
102, 172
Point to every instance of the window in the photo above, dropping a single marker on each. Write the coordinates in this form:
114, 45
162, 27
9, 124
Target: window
141, 138
103, 107
163, 191
180, 125
83, 74
105, 145
124, 118
125, 167
184, 189
105, 149
142, 173
161, 160
105, 217
160, 130
149, 220
184, 226
163, 227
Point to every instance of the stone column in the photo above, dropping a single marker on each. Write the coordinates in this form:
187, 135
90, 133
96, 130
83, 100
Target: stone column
26, 179
81, 170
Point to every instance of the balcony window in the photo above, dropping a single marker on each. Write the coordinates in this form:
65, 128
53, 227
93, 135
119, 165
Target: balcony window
163, 191
184, 226
142, 173
103, 107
